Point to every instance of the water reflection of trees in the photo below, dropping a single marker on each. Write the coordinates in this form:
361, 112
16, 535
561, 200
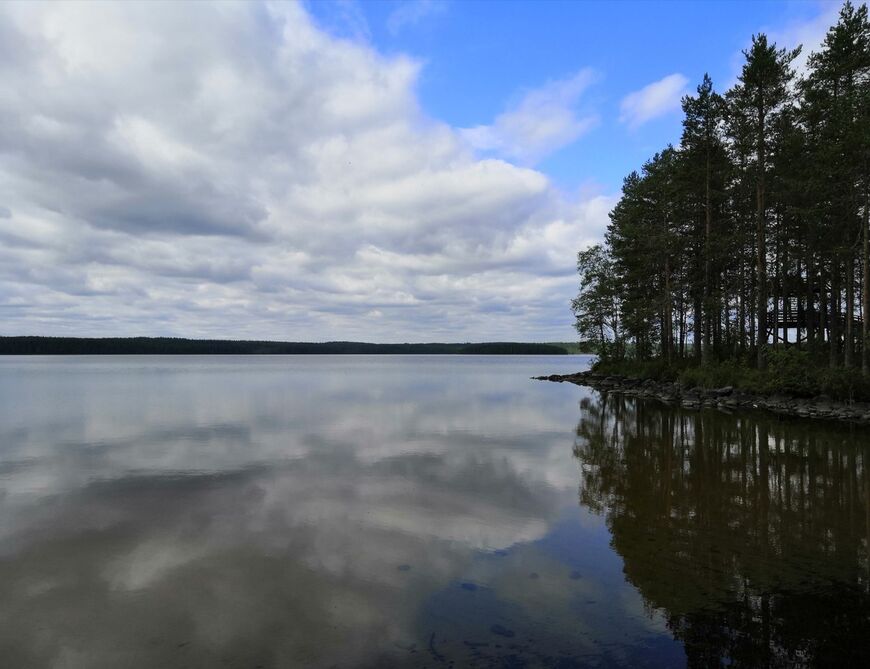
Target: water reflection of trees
749, 533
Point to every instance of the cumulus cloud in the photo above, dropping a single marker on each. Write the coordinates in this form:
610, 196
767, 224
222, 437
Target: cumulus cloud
653, 100
411, 12
544, 120
235, 170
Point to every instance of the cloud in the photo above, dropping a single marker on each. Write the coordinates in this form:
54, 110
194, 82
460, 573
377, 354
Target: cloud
288, 520
346, 18
809, 33
543, 121
234, 170
653, 100
411, 12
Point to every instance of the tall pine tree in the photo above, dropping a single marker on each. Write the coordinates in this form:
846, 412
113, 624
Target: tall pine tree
762, 94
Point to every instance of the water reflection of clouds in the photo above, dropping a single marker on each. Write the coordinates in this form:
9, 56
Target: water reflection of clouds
168, 424
276, 518
330, 544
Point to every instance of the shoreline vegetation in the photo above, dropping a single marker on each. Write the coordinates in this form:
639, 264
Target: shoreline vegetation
725, 398
180, 346
741, 257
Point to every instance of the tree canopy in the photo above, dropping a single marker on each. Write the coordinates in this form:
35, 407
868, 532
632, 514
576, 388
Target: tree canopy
753, 232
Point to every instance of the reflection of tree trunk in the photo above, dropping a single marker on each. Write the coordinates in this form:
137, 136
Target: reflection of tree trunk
764, 509
764, 478
722, 517
853, 492
787, 456
666, 473
867, 515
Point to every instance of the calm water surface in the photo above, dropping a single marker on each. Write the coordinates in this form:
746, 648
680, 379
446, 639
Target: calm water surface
441, 511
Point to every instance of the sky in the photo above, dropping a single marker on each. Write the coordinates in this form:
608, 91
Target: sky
372, 171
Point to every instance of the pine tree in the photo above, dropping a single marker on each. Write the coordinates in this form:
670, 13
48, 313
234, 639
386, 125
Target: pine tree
764, 209
836, 93
706, 164
761, 95
596, 309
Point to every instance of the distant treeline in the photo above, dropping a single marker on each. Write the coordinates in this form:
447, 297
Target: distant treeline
178, 346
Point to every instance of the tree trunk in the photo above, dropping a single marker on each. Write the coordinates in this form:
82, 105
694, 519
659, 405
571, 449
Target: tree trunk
668, 327
824, 321
741, 310
834, 314
708, 224
810, 306
761, 268
849, 338
760, 241
865, 293
785, 291
777, 294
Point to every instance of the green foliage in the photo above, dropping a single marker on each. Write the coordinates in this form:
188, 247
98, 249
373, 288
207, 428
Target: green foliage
655, 369
789, 372
754, 230
596, 310
576, 347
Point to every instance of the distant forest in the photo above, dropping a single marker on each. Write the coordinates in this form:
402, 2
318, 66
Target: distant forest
176, 346
751, 236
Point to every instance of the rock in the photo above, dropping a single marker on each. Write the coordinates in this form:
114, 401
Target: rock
724, 398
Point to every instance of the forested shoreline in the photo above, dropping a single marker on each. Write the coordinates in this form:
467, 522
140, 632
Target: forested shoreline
180, 346
747, 244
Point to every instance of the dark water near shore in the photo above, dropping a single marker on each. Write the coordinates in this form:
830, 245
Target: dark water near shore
355, 511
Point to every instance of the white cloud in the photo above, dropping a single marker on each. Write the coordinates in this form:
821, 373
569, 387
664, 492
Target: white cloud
543, 121
411, 12
346, 18
653, 100
810, 33
258, 177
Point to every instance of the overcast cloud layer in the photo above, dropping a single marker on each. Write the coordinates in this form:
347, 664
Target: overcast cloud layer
233, 171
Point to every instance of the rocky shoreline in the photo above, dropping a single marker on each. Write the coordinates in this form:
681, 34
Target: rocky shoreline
727, 398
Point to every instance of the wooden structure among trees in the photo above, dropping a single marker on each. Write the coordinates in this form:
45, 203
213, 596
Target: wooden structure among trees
792, 313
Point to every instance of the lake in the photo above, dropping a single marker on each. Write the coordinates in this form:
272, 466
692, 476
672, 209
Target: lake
441, 511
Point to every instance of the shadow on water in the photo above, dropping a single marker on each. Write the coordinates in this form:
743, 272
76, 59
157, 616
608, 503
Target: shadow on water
749, 533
